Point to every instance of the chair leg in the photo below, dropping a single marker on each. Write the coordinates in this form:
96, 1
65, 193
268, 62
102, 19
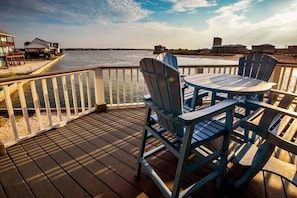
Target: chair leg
225, 147
143, 142
223, 161
184, 153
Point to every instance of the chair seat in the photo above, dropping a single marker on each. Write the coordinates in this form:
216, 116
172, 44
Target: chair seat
207, 130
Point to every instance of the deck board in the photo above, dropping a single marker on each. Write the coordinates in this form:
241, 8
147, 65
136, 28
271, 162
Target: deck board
95, 156
36, 180
54, 172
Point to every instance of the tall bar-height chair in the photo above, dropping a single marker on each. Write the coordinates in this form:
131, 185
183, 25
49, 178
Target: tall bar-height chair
184, 135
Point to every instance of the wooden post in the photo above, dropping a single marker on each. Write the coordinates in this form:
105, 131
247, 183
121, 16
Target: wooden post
198, 70
99, 90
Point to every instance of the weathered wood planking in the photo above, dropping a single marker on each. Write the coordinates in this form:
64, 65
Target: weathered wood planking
96, 156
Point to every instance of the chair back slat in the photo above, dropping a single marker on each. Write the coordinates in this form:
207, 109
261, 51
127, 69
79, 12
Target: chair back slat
259, 66
256, 65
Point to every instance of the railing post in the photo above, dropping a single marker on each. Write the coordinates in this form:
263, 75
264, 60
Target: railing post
198, 70
99, 90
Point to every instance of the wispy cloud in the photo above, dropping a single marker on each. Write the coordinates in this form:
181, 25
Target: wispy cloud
74, 11
119, 23
232, 24
190, 5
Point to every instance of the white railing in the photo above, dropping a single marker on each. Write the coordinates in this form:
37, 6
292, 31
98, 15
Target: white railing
36, 103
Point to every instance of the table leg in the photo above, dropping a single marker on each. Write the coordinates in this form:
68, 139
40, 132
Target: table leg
213, 98
194, 99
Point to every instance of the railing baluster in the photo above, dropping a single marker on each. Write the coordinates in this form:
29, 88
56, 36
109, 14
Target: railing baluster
88, 91
137, 86
282, 78
289, 79
117, 86
57, 98
66, 97
10, 111
131, 86
110, 87
81, 91
74, 98
36, 103
124, 87
24, 107
46, 101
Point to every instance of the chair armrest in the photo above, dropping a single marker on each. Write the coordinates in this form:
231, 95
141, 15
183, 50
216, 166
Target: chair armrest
272, 107
209, 112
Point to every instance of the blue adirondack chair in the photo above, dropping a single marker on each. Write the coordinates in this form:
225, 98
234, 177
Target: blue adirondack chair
180, 133
255, 65
276, 125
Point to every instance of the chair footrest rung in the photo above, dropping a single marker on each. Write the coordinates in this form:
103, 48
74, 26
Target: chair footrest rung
200, 183
154, 151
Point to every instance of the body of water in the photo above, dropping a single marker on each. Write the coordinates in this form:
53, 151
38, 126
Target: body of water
116, 58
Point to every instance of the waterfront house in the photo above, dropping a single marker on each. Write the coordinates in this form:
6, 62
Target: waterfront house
41, 48
8, 54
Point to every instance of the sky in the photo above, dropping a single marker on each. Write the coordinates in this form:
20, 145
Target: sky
185, 24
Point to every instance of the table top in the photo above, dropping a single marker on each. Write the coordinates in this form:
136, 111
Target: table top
227, 83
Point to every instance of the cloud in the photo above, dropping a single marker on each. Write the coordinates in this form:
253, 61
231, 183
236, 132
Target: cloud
233, 25
74, 11
190, 5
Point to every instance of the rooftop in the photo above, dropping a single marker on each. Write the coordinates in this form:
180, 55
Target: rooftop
3, 33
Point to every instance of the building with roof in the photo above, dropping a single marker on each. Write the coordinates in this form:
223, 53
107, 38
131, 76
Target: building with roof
230, 49
39, 47
8, 54
217, 47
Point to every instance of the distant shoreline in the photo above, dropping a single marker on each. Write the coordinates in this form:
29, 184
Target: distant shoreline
103, 49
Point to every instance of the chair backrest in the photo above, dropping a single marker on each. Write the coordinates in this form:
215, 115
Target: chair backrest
278, 123
168, 58
163, 83
256, 65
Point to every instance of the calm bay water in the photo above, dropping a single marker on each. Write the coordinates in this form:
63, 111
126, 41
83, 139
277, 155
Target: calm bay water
84, 59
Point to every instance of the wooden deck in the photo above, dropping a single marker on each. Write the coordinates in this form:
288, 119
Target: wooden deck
95, 156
